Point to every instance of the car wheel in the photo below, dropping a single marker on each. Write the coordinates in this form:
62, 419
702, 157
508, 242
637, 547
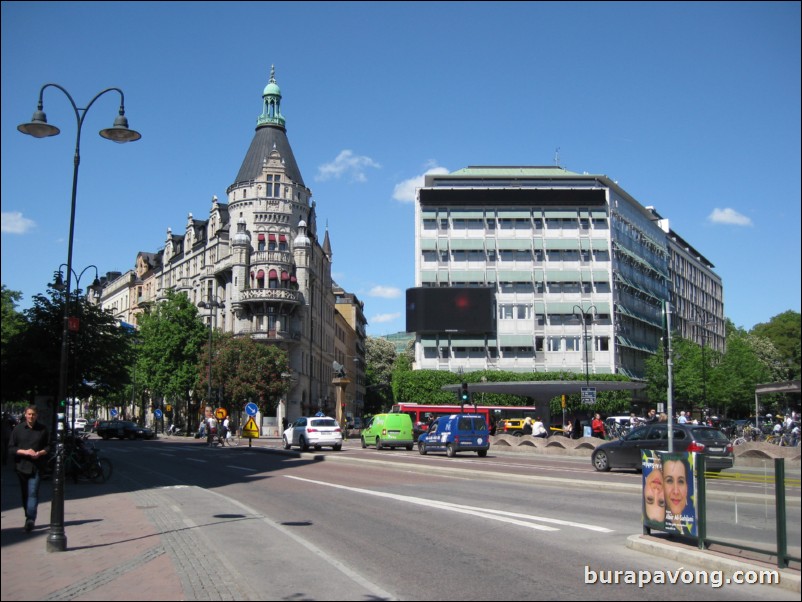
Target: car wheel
364, 445
286, 443
304, 445
451, 451
482, 453
600, 461
317, 448
422, 448
337, 447
409, 447
518, 434
378, 443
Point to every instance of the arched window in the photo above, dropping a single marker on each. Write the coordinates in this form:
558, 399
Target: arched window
273, 278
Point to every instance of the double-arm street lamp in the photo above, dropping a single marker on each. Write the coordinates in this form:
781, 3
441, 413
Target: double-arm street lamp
703, 323
212, 303
585, 315
39, 128
74, 321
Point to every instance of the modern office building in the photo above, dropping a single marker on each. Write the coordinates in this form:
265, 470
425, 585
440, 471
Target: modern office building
257, 264
571, 258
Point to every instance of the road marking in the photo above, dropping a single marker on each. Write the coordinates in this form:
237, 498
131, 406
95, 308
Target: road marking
488, 513
241, 468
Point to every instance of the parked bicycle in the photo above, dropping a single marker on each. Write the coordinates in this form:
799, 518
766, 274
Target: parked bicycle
174, 431
82, 462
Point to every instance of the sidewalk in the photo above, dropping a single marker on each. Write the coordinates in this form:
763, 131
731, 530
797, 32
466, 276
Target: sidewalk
185, 543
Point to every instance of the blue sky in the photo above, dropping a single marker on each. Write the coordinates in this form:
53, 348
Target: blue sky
693, 108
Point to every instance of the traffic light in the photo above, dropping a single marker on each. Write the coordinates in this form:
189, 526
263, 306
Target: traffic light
465, 397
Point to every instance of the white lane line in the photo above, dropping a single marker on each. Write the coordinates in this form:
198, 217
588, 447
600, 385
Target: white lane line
241, 468
497, 515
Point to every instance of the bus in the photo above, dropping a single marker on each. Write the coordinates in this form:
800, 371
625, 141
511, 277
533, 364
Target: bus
423, 414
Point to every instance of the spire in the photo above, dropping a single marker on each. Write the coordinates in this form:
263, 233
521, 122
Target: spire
326, 242
271, 103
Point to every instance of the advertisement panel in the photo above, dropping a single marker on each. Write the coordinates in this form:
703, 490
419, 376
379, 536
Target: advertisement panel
669, 492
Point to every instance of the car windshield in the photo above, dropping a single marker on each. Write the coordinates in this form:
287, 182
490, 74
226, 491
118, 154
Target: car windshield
709, 434
323, 422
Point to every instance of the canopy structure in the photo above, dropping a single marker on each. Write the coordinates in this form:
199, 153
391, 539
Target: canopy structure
544, 390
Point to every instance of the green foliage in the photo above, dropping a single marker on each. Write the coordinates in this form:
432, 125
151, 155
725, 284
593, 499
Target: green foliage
99, 353
785, 332
380, 359
243, 371
170, 339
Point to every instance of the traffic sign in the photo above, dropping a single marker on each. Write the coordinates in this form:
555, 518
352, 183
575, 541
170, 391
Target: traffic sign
251, 429
114, 412
588, 395
158, 414
251, 409
220, 413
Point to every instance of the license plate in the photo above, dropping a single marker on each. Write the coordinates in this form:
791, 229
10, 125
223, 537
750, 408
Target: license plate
716, 449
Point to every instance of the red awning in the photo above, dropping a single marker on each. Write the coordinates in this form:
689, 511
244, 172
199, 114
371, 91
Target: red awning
285, 276
272, 237
261, 237
272, 275
260, 274
282, 238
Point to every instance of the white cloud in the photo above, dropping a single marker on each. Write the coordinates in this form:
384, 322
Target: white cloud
382, 318
729, 216
386, 292
405, 191
14, 223
346, 163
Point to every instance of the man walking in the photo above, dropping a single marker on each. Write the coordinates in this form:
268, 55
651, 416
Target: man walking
28, 446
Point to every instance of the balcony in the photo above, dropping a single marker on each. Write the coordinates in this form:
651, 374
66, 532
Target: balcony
270, 336
277, 295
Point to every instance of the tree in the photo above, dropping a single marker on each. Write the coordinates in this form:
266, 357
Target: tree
99, 351
170, 338
379, 359
244, 370
12, 324
785, 332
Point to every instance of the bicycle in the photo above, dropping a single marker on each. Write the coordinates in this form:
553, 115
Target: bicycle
174, 431
231, 439
81, 462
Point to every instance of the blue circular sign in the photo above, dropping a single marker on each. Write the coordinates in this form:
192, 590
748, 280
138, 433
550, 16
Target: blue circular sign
157, 413
251, 409
113, 413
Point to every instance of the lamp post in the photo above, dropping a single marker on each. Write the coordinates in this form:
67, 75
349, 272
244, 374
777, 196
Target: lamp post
39, 128
73, 323
703, 324
585, 315
212, 303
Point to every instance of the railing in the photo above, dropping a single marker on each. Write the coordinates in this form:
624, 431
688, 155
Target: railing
271, 294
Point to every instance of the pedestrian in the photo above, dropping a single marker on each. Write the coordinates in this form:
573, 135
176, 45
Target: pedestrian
577, 430
527, 428
682, 418
597, 426
651, 416
211, 426
539, 429
28, 446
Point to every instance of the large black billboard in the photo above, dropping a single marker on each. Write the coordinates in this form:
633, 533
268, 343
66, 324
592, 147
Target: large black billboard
451, 309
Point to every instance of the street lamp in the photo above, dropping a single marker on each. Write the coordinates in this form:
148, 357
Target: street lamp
212, 302
74, 324
39, 128
585, 315
703, 324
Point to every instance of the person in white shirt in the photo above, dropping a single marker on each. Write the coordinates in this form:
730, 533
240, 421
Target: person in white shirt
538, 429
682, 418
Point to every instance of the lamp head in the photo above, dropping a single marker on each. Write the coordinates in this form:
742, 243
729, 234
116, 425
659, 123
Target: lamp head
120, 132
38, 126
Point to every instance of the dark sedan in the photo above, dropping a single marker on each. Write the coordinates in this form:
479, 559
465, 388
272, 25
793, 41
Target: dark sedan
123, 429
626, 451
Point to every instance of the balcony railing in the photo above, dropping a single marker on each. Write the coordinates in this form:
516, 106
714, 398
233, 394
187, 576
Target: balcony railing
272, 294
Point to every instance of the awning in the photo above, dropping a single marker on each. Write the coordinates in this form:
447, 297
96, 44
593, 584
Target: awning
272, 275
282, 238
260, 274
272, 238
285, 276
261, 237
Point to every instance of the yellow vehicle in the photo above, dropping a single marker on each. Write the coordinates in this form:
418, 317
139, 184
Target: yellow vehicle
510, 426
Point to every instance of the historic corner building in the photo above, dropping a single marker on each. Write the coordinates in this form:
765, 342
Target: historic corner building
557, 245
257, 268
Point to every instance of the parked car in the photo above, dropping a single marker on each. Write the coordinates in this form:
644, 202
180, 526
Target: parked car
626, 451
81, 424
389, 430
317, 431
511, 426
455, 433
123, 429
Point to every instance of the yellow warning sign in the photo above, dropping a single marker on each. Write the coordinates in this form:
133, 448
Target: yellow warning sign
220, 413
250, 430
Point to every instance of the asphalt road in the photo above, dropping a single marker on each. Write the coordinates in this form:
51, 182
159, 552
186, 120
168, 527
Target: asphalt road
394, 524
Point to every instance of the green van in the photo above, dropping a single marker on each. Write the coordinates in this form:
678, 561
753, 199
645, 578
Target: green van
389, 430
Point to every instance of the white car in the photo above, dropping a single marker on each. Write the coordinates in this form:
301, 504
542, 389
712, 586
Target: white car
317, 431
81, 424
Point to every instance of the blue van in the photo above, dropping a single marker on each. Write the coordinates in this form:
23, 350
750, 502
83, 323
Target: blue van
457, 432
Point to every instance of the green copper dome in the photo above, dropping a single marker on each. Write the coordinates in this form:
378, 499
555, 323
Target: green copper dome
271, 103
